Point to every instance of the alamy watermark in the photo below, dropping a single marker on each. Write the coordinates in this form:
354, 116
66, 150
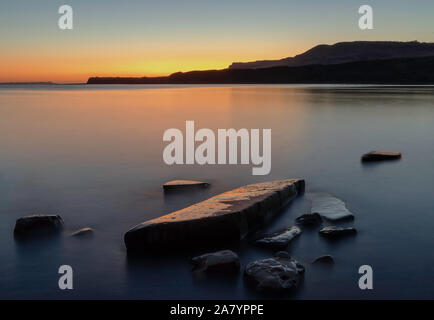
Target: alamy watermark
366, 281
66, 280
65, 21
226, 145
366, 20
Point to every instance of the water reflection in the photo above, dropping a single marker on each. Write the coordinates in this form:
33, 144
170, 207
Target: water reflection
94, 155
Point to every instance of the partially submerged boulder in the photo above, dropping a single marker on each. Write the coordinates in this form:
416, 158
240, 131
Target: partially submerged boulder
38, 225
326, 260
330, 208
282, 254
279, 239
336, 232
183, 184
229, 216
274, 274
381, 156
220, 261
309, 219
83, 232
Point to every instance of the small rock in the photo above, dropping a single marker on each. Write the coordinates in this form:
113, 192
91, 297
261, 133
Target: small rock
279, 239
327, 259
83, 232
309, 219
274, 274
183, 184
282, 254
381, 156
38, 225
331, 208
334, 232
220, 261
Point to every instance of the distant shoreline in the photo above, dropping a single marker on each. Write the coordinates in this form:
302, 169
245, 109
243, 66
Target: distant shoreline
188, 85
40, 83
402, 71
27, 83
343, 63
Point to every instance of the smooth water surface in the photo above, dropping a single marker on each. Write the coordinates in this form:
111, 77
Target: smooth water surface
93, 154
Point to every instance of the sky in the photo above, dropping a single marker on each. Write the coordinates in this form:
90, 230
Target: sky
159, 37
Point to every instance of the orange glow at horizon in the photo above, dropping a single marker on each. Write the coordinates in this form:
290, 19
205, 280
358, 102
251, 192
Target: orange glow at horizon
77, 67
158, 38
59, 72
80, 73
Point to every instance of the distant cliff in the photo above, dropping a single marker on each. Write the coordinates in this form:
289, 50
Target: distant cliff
391, 71
344, 52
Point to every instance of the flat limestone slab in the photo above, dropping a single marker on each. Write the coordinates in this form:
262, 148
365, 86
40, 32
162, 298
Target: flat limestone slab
226, 217
180, 184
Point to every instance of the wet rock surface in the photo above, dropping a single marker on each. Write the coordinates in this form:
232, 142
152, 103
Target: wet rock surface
38, 225
381, 156
83, 232
330, 208
279, 239
220, 261
336, 232
309, 219
183, 184
274, 274
326, 260
227, 217
282, 254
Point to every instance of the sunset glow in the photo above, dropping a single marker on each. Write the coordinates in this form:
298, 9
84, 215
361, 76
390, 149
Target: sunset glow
78, 69
145, 38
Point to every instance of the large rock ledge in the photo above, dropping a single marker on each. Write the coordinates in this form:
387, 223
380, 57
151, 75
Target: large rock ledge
226, 217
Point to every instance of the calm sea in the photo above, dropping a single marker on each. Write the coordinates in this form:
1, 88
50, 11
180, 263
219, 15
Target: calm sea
94, 156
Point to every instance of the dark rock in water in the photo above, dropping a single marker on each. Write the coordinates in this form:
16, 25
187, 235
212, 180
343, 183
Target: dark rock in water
381, 156
83, 232
335, 232
279, 239
331, 208
274, 274
227, 217
220, 261
183, 184
309, 219
38, 225
327, 259
282, 254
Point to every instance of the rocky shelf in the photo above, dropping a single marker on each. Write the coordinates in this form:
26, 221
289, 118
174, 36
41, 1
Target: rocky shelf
229, 216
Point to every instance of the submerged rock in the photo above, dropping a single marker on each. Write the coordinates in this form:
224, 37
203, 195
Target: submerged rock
381, 156
310, 219
183, 184
327, 259
274, 274
335, 232
220, 261
38, 225
282, 254
226, 217
279, 239
83, 232
331, 208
